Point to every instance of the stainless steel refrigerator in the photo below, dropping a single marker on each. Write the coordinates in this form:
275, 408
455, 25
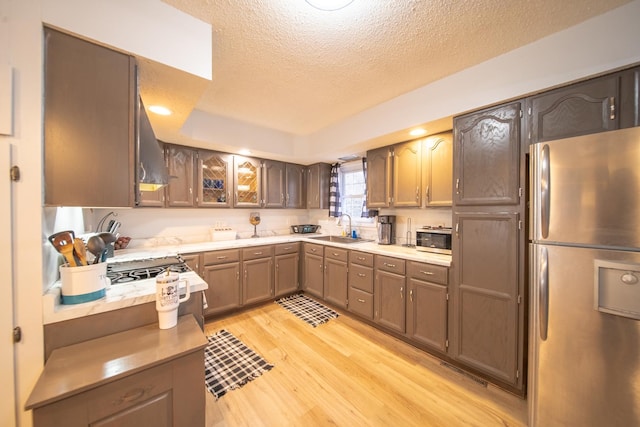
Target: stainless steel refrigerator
584, 365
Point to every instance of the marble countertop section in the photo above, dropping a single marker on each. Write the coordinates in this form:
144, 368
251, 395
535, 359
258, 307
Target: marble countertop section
117, 296
365, 246
126, 295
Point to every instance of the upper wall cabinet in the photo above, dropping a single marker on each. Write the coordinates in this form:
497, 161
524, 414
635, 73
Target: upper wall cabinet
598, 105
394, 175
318, 176
215, 179
437, 169
180, 192
295, 181
487, 149
274, 188
248, 182
89, 124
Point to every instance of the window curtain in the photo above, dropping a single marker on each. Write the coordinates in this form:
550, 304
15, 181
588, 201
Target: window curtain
365, 212
334, 191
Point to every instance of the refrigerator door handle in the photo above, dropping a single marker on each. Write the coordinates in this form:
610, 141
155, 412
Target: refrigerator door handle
545, 191
543, 296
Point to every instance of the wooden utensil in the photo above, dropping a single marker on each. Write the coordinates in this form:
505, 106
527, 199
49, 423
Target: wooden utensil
63, 242
80, 250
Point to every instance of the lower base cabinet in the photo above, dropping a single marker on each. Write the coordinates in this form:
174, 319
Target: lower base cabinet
221, 271
155, 392
257, 282
335, 276
313, 270
287, 261
389, 293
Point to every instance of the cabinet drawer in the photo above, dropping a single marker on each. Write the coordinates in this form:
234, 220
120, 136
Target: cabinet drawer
220, 257
361, 277
257, 252
361, 302
337, 254
287, 248
428, 272
312, 248
129, 392
392, 265
361, 258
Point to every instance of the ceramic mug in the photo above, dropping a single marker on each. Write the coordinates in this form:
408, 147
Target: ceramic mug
168, 299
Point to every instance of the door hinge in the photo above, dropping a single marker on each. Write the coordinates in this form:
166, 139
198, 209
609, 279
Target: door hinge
14, 173
17, 334
520, 192
520, 113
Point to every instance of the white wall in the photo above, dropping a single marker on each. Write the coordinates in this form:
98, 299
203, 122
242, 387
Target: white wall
606, 42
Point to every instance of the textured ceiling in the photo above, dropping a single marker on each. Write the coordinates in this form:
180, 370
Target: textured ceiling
284, 65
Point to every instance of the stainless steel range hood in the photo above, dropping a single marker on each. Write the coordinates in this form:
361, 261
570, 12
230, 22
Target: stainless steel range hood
151, 171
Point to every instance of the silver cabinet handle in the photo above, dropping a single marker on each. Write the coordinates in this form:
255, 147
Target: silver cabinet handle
401, 292
612, 108
389, 265
428, 273
221, 257
543, 303
362, 275
544, 191
361, 258
457, 185
313, 249
335, 253
361, 300
257, 253
411, 295
287, 248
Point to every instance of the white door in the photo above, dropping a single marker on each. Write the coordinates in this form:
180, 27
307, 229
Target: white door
7, 365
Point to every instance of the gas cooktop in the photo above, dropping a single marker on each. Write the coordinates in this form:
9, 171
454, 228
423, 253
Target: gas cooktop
130, 271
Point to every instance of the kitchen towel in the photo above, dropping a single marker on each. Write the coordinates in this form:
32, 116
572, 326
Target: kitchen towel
307, 309
230, 364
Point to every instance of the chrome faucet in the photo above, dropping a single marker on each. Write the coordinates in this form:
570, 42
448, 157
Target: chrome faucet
348, 216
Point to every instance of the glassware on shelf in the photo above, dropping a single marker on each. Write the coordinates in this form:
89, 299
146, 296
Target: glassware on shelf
254, 219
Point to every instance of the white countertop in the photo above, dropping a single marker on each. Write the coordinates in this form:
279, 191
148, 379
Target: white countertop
134, 293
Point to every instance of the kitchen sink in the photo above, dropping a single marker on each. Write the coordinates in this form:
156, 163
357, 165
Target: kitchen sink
341, 239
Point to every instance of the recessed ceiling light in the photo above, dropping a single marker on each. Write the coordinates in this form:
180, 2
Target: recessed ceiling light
329, 5
159, 109
418, 132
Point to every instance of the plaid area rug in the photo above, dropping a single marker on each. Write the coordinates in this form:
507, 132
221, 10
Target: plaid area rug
307, 309
230, 364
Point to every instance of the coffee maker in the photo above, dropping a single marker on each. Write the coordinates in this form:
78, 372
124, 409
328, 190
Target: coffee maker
386, 229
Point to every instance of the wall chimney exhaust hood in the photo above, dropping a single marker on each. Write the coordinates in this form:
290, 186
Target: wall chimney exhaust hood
151, 171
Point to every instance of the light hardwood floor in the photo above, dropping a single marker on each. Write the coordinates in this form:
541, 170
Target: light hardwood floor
347, 373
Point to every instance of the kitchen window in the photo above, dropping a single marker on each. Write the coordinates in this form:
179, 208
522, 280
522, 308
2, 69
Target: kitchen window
352, 191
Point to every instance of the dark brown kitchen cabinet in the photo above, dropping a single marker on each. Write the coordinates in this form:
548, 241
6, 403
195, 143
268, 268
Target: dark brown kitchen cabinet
214, 181
153, 385
379, 166
318, 176
274, 184
180, 162
247, 182
295, 186
390, 293
152, 199
193, 261
597, 105
427, 305
437, 161
487, 320
287, 260
257, 281
488, 297
89, 124
487, 155
407, 174
313, 269
221, 271
335, 276
360, 279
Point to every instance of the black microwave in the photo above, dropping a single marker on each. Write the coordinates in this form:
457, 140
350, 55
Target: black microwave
434, 239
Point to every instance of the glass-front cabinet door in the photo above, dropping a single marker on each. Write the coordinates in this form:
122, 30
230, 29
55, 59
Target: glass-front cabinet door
214, 179
246, 173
